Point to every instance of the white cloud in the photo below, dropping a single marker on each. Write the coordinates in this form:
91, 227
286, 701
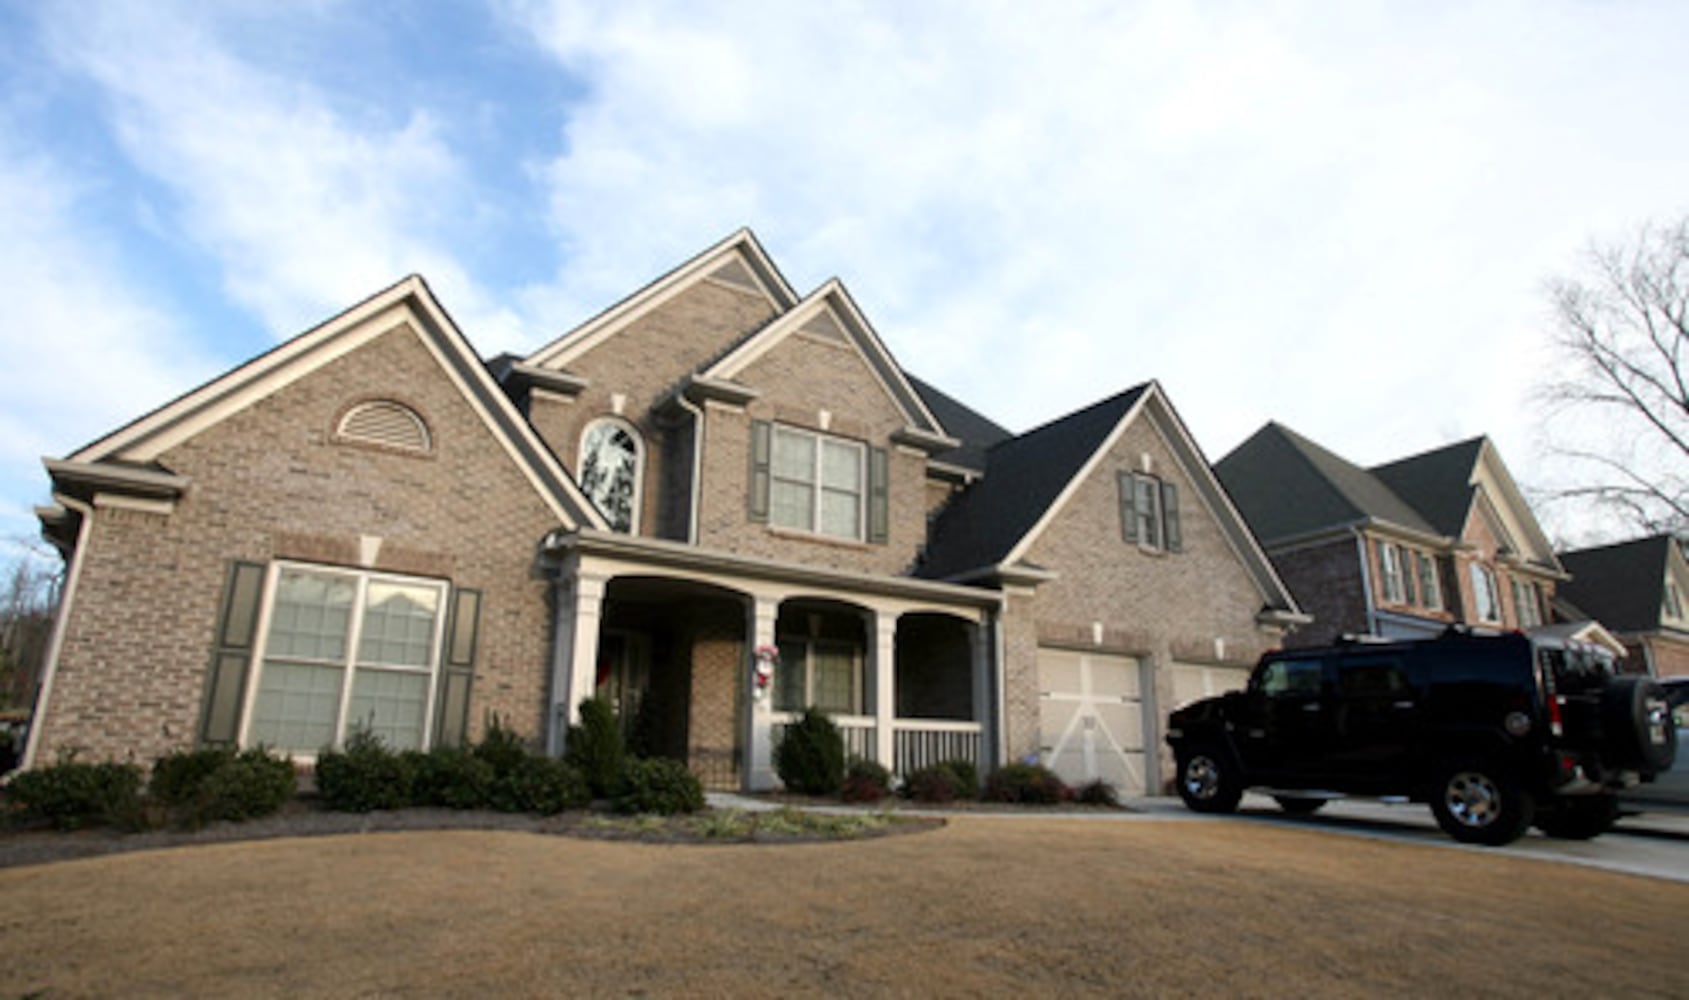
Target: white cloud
1334, 216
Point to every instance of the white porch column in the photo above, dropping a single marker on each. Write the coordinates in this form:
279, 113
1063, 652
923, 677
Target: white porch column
885, 695
574, 652
759, 741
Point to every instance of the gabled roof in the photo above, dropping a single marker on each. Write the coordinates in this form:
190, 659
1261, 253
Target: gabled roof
832, 304
739, 260
1024, 476
1287, 486
1621, 585
989, 528
976, 431
1437, 483
139, 444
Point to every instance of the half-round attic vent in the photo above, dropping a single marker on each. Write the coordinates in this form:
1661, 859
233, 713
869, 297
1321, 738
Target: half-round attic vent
387, 424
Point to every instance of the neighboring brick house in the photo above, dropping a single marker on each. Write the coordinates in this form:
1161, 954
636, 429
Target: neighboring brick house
1400, 550
369, 526
1636, 589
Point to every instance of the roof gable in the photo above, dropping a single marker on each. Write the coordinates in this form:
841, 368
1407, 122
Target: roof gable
1621, 585
829, 312
410, 303
739, 260
1438, 483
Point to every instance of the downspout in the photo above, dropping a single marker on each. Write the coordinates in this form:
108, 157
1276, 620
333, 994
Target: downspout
56, 644
1366, 581
697, 464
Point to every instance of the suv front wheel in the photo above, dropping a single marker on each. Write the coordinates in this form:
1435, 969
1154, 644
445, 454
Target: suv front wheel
1478, 803
1208, 780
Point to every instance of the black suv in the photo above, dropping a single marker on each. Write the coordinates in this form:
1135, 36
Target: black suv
1494, 731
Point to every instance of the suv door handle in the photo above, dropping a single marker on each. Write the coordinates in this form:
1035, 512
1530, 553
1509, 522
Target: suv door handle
1312, 706
1401, 704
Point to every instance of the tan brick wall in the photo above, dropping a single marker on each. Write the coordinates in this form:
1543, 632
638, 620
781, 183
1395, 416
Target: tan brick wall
645, 363
717, 654
267, 482
1162, 605
798, 378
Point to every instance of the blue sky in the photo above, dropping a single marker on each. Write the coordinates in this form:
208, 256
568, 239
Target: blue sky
1339, 216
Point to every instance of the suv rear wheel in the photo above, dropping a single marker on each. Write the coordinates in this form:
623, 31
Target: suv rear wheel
1579, 818
1208, 780
1478, 803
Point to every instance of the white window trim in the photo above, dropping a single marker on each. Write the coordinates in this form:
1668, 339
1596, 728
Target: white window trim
1390, 572
816, 484
858, 688
354, 635
1478, 573
638, 465
1152, 519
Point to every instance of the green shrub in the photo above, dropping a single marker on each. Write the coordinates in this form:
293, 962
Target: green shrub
659, 785
501, 747
865, 781
595, 747
810, 758
365, 776
203, 786
967, 776
935, 783
71, 794
452, 778
543, 785
1027, 784
1097, 793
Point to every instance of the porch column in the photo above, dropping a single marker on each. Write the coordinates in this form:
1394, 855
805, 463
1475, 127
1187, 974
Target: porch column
979, 651
885, 697
759, 631
576, 607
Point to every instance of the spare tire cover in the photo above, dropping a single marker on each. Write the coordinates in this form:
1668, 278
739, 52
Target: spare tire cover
1636, 721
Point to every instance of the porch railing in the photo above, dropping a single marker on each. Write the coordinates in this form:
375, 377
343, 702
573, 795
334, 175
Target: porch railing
857, 730
918, 743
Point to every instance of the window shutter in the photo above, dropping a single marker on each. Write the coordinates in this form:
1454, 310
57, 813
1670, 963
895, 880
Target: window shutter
761, 446
452, 722
1128, 508
231, 657
1170, 517
879, 495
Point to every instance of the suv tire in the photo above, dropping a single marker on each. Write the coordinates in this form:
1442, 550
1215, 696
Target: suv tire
1297, 805
1208, 780
1580, 818
1478, 803
1636, 722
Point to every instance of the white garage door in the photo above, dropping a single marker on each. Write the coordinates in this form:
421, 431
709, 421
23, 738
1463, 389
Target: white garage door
1091, 718
1194, 682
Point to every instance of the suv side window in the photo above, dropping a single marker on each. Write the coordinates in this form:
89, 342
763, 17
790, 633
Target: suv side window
1290, 679
1374, 679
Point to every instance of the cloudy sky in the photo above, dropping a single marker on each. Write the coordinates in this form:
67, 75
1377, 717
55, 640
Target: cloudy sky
1336, 215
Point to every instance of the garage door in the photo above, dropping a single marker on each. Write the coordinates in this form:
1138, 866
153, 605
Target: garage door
1195, 681
1091, 718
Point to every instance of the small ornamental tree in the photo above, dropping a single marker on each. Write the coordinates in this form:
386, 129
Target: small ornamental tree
811, 757
595, 748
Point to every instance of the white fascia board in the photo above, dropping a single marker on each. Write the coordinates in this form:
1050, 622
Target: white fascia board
596, 330
1516, 509
888, 367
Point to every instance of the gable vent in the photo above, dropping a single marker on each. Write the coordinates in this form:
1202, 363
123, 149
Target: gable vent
387, 424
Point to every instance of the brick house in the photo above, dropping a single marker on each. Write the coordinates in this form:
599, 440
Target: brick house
370, 526
1636, 589
1400, 550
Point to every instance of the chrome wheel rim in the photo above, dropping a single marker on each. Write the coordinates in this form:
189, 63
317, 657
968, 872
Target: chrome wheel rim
1202, 778
1472, 799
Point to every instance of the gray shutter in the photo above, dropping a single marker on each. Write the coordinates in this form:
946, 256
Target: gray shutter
1128, 508
879, 500
1170, 517
762, 444
231, 656
458, 669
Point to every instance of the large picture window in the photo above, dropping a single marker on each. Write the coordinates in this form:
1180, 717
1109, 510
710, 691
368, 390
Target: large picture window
816, 483
345, 649
612, 460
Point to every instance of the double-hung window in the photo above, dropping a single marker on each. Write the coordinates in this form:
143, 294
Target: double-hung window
1486, 603
1526, 605
823, 673
1149, 512
344, 649
1430, 588
1390, 571
816, 483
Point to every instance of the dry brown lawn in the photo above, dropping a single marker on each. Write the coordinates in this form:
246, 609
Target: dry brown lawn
983, 907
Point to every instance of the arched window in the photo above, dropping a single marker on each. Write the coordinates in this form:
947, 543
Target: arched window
387, 424
612, 468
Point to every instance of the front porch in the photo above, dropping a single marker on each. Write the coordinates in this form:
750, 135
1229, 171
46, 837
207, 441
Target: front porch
906, 668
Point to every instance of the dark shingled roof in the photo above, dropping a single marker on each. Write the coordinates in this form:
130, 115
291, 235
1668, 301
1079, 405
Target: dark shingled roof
1286, 485
1024, 475
1620, 585
976, 431
1437, 483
